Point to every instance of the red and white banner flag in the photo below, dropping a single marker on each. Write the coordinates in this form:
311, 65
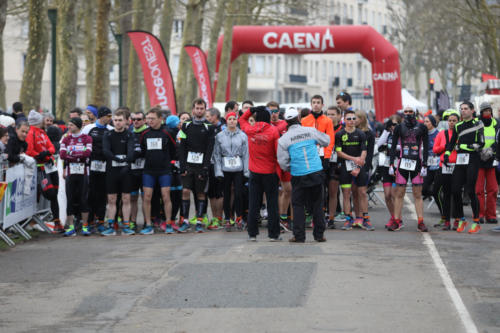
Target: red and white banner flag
200, 69
157, 76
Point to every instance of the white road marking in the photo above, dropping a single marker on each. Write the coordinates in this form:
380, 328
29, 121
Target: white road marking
463, 313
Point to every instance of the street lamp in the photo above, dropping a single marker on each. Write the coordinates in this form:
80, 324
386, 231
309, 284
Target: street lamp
118, 38
52, 13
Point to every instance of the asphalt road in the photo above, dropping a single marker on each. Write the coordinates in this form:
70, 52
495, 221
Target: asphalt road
357, 281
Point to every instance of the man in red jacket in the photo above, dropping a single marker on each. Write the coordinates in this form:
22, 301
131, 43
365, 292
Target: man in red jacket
262, 147
41, 148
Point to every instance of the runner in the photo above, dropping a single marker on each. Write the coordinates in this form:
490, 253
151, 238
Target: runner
136, 168
344, 102
119, 148
468, 137
195, 152
413, 139
297, 152
75, 151
231, 164
350, 145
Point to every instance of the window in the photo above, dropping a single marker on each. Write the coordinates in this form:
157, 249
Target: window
278, 69
178, 28
297, 67
292, 65
286, 65
260, 63
344, 74
317, 71
358, 77
175, 64
250, 64
270, 65
331, 69
350, 71
324, 71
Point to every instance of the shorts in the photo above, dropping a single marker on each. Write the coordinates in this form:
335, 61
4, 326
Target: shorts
150, 181
386, 177
118, 180
284, 176
402, 177
346, 179
334, 171
77, 190
193, 182
215, 186
136, 183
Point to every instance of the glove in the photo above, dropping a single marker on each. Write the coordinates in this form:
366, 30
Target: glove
423, 171
258, 109
486, 154
446, 159
474, 146
43, 155
391, 170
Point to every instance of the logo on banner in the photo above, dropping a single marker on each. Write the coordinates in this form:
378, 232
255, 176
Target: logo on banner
387, 76
201, 76
155, 71
301, 41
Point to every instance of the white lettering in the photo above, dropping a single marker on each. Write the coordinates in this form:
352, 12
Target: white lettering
298, 40
201, 76
285, 41
267, 43
314, 42
154, 71
387, 76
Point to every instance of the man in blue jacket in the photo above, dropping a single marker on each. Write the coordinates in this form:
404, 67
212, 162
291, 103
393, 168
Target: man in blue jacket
298, 153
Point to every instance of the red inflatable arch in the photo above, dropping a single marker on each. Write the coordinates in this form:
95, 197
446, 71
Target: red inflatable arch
327, 39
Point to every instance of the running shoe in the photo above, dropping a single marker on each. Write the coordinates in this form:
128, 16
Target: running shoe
331, 224
86, 231
128, 231
70, 232
320, 239
214, 224
388, 224
340, 217
491, 221
199, 228
474, 228
277, 239
367, 225
163, 225
169, 229
455, 225
348, 224
132, 225
184, 227
252, 238
240, 223
295, 240
440, 223
109, 232
263, 212
461, 226
193, 220
100, 227
395, 226
446, 226
422, 227
481, 220
228, 225
358, 222
147, 230
496, 229
205, 220
284, 226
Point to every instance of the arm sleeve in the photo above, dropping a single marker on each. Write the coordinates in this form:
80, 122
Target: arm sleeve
363, 139
243, 121
425, 145
338, 142
284, 156
31, 141
331, 134
395, 138
451, 145
322, 138
217, 159
370, 146
439, 145
106, 146
130, 148
382, 140
210, 148
182, 148
246, 156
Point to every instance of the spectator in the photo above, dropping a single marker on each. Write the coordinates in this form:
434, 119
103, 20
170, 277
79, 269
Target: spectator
4, 138
6, 121
17, 112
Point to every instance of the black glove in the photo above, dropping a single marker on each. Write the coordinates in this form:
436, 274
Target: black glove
382, 148
258, 109
446, 159
43, 155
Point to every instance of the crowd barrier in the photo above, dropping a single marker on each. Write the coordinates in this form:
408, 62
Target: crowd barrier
19, 204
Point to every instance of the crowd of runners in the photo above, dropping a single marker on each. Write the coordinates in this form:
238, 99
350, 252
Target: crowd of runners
293, 168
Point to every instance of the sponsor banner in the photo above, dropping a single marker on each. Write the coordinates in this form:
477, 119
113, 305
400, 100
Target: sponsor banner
200, 69
18, 206
157, 75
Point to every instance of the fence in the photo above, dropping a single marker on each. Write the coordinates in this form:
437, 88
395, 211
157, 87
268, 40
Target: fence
19, 204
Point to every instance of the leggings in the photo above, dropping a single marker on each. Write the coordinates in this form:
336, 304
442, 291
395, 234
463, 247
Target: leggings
233, 180
442, 187
465, 176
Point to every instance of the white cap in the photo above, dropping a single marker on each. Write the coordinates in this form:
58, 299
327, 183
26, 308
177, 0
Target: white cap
291, 113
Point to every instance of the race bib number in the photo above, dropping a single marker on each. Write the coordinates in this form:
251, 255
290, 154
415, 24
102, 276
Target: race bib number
433, 161
153, 143
99, 166
333, 157
321, 151
195, 158
407, 164
138, 164
232, 162
448, 169
50, 168
462, 159
350, 165
119, 164
77, 168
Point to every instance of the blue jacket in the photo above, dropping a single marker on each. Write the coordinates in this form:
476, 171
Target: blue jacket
298, 151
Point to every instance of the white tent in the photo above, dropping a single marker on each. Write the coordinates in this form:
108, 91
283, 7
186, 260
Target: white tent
409, 100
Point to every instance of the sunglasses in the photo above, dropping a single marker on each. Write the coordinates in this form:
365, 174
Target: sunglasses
408, 111
274, 111
350, 118
136, 119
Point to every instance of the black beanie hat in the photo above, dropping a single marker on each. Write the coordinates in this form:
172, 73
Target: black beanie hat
76, 121
263, 115
103, 111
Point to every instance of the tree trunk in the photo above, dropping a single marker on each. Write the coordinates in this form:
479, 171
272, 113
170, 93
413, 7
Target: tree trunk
66, 58
214, 36
89, 46
101, 77
134, 80
225, 60
36, 55
167, 22
197, 39
125, 25
3, 16
149, 11
235, 71
243, 76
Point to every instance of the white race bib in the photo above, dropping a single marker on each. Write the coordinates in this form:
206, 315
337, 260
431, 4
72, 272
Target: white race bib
99, 166
138, 164
407, 164
119, 164
433, 161
321, 151
49, 168
153, 143
381, 158
462, 159
387, 162
76, 168
232, 162
195, 158
448, 170
350, 165
333, 157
